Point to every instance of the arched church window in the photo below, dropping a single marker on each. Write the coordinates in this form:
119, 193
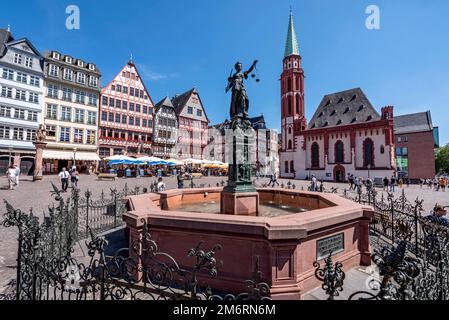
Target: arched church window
297, 83
315, 151
289, 84
368, 153
290, 145
290, 130
286, 167
292, 167
339, 152
289, 106
382, 149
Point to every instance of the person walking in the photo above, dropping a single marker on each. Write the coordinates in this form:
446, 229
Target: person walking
17, 168
160, 185
180, 178
351, 182
273, 180
392, 183
11, 174
74, 178
386, 183
64, 176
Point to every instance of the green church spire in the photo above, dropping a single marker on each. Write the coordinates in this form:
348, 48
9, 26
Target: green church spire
291, 46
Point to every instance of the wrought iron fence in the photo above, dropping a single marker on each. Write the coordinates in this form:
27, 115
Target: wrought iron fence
46, 269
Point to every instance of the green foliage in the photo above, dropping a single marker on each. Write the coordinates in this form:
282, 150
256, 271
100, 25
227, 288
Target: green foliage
442, 159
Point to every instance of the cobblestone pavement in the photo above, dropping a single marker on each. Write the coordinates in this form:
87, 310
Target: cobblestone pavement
37, 196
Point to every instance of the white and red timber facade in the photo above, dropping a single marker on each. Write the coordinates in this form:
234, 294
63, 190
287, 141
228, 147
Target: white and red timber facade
193, 125
345, 136
126, 116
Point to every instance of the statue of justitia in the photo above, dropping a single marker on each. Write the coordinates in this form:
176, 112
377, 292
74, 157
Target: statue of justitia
240, 101
41, 134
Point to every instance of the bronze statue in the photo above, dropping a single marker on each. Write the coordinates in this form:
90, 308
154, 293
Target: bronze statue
240, 101
41, 134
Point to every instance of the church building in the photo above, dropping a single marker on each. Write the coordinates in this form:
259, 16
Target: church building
346, 135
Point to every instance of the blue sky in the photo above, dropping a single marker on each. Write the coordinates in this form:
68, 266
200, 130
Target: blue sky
181, 44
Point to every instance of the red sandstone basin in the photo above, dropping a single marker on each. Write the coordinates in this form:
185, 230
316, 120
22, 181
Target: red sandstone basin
286, 245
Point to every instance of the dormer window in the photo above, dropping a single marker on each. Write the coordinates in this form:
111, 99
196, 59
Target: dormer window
91, 67
346, 110
80, 63
333, 112
328, 102
340, 100
56, 56
354, 120
313, 126
326, 124
369, 118
354, 97
339, 122
68, 59
320, 115
361, 108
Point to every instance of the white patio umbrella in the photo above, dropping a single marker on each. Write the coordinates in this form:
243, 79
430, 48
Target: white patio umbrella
175, 161
119, 158
151, 159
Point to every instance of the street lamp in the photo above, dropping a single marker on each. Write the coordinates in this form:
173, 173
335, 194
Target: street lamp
10, 154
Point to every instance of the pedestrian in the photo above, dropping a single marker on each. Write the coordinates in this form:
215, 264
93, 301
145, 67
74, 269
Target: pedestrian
17, 168
11, 174
64, 176
421, 183
160, 185
314, 183
369, 184
74, 178
180, 180
386, 184
351, 182
273, 180
392, 183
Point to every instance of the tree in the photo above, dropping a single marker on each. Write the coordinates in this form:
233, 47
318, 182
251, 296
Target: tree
442, 159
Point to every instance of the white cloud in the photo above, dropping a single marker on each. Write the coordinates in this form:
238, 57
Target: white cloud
148, 74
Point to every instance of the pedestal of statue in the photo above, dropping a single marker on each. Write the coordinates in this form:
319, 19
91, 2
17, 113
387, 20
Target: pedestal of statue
38, 161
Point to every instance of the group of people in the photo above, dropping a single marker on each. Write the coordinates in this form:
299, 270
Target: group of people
65, 176
357, 183
437, 184
13, 175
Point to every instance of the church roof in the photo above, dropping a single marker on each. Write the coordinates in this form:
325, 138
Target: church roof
291, 45
344, 108
416, 122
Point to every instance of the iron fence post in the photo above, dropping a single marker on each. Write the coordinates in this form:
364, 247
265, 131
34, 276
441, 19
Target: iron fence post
115, 209
19, 264
392, 219
416, 230
87, 213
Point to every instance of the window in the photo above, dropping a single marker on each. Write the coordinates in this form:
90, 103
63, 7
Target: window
297, 104
290, 145
66, 114
150, 123
33, 97
104, 101
8, 74
286, 166
81, 78
80, 97
382, 149
91, 137
402, 151
131, 106
141, 94
32, 116
131, 91
68, 74
53, 71
124, 118
315, 150
119, 88
17, 134
289, 84
144, 123
111, 102
339, 152
189, 110
35, 81
125, 105
52, 111
402, 139
67, 94
5, 112
117, 117
104, 116
64, 135
113, 87
93, 81
4, 132
31, 135
51, 131
137, 121
21, 95
145, 109
125, 90
79, 115
111, 117
92, 99
6, 92
150, 110
118, 104
91, 117
368, 153
28, 62
199, 113
137, 107
131, 121
17, 58
292, 167
78, 136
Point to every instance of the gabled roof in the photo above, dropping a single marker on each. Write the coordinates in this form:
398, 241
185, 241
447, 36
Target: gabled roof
291, 45
258, 123
415, 122
5, 37
180, 101
164, 102
28, 42
344, 108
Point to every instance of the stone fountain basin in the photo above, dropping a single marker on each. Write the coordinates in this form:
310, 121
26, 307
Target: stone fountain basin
286, 245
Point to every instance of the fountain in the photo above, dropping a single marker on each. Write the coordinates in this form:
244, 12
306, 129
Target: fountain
287, 229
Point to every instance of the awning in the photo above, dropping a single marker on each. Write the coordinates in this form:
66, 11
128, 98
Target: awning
68, 155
